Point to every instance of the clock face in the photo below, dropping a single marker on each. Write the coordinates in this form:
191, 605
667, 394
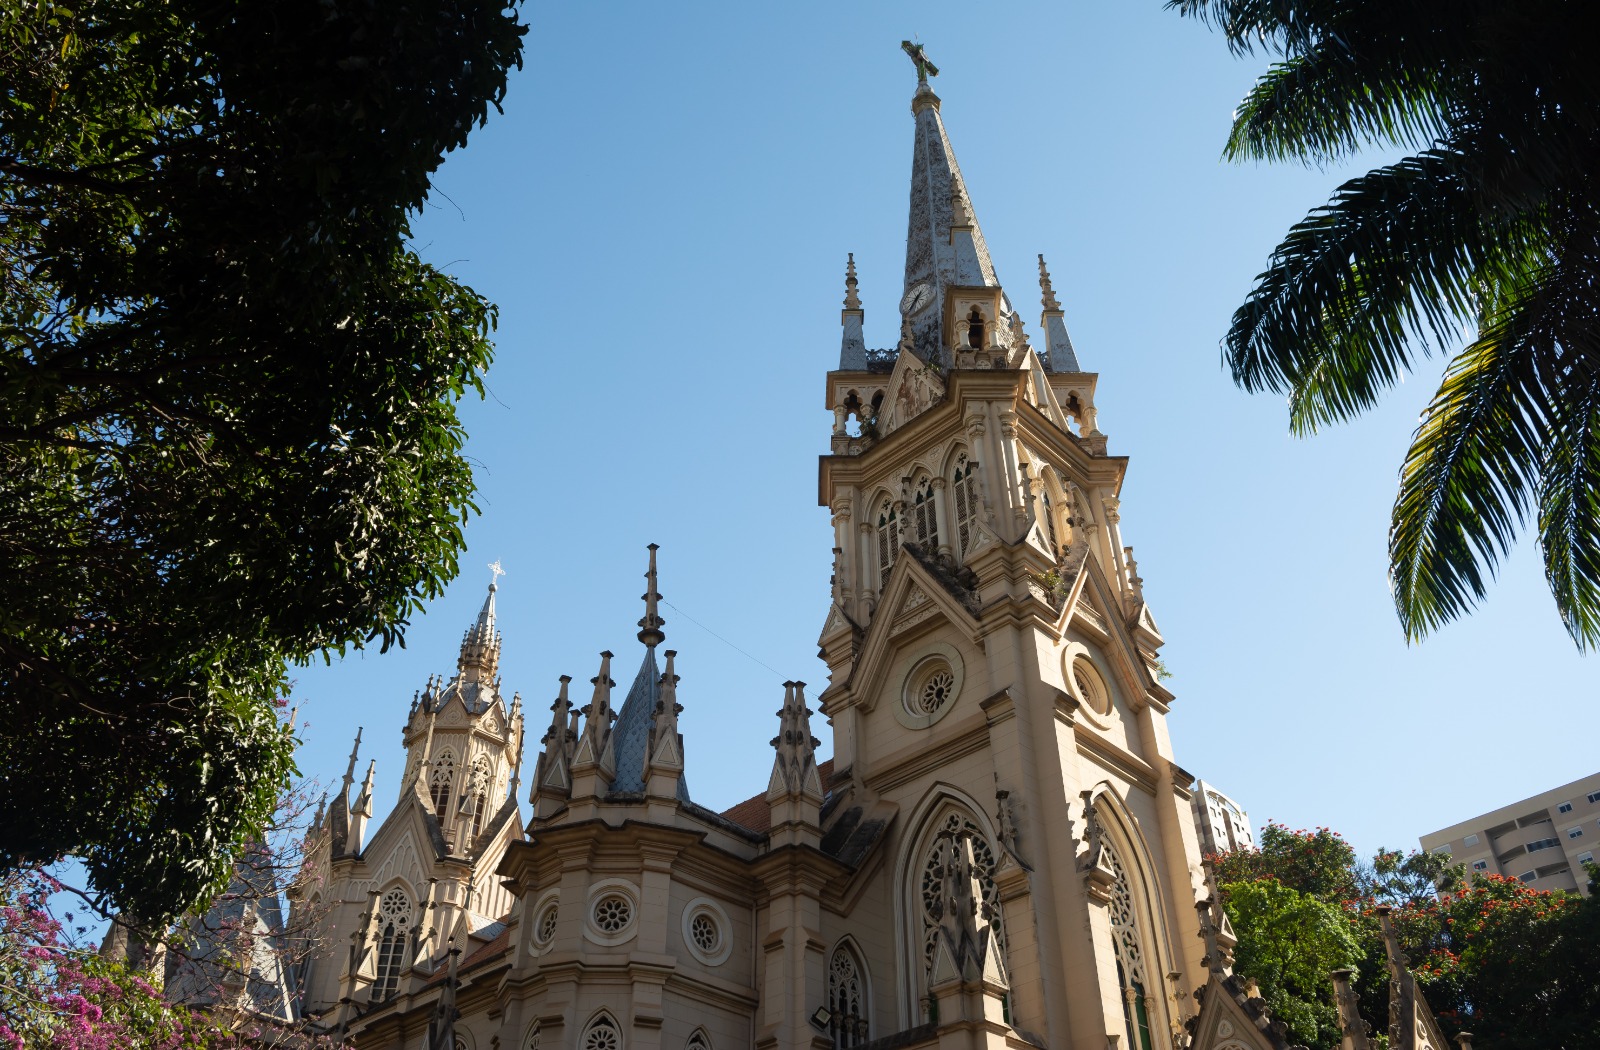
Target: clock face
917, 298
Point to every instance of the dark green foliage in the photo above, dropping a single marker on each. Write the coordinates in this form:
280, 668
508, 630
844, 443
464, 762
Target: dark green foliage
228, 431
1508, 963
1493, 225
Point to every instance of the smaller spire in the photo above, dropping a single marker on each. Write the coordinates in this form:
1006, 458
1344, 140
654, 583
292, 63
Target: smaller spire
794, 770
964, 950
853, 343
1045, 290
350, 770
664, 751
650, 632
363, 803
852, 301
552, 775
1057, 344
594, 743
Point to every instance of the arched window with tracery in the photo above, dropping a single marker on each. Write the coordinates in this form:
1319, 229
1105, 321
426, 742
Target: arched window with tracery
532, 1041
478, 789
847, 1000
440, 781
698, 1040
925, 518
964, 484
394, 927
603, 1033
939, 837
1127, 940
888, 540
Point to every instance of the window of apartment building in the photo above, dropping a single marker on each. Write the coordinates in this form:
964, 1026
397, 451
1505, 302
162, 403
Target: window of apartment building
1565, 807
1480, 865
1445, 850
1594, 796
1470, 840
1528, 876
1534, 847
1575, 833
1584, 858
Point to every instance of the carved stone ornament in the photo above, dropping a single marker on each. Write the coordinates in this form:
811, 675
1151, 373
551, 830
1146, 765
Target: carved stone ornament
1093, 865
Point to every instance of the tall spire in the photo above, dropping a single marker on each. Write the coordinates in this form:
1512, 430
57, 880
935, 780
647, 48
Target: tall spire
944, 244
480, 646
853, 344
1058, 346
650, 632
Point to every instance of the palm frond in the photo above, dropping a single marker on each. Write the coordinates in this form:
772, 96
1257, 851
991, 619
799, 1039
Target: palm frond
1398, 255
1569, 517
1472, 467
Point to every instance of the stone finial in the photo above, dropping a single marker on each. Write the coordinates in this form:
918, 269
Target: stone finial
794, 770
552, 775
1047, 293
852, 301
908, 339
594, 743
1019, 335
966, 921
350, 770
442, 1025
363, 803
960, 207
1353, 1029
650, 632
1135, 581
664, 752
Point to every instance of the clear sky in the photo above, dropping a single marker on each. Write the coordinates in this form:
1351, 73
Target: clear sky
663, 212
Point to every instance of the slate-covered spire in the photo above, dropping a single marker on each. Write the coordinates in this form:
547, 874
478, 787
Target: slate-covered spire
631, 735
944, 243
480, 646
1058, 346
853, 346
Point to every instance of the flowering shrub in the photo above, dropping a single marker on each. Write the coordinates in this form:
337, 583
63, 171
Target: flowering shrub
1511, 964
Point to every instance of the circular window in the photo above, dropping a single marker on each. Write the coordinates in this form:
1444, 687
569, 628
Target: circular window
545, 912
612, 913
930, 686
1091, 688
613, 903
938, 688
706, 931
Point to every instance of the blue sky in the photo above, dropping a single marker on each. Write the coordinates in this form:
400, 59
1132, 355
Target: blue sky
663, 212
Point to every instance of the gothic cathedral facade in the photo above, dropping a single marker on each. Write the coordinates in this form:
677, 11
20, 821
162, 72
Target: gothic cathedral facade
999, 853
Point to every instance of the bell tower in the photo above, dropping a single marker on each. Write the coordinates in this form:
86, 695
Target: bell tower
993, 670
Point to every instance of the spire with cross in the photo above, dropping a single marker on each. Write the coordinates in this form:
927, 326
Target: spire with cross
919, 57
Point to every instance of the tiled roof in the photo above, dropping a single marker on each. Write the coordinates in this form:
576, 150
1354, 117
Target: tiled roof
756, 813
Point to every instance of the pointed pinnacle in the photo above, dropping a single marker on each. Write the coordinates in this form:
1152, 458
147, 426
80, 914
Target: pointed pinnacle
1048, 293
852, 301
350, 771
650, 632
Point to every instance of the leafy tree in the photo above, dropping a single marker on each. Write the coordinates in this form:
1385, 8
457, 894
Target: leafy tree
1509, 963
1289, 942
227, 398
1493, 223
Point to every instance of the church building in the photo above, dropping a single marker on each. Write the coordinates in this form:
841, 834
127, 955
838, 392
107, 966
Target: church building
1000, 852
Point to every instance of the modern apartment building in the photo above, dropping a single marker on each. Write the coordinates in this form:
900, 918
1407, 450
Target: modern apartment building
1222, 823
1544, 840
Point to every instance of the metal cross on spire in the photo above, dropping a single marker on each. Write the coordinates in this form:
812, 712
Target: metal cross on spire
925, 69
494, 567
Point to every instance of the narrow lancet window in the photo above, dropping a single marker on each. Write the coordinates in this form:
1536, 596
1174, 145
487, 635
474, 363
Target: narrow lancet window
927, 520
888, 541
439, 781
975, 329
394, 924
965, 486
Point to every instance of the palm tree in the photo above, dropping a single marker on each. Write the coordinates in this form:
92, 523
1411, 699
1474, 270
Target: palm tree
1492, 224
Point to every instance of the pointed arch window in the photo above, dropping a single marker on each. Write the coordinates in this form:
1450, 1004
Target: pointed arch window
925, 518
532, 1041
964, 484
478, 788
698, 1040
888, 541
975, 329
394, 925
603, 1033
847, 1000
439, 782
1127, 941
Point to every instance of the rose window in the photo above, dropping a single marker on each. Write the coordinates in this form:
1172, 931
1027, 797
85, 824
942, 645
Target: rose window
704, 932
612, 913
938, 688
547, 923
